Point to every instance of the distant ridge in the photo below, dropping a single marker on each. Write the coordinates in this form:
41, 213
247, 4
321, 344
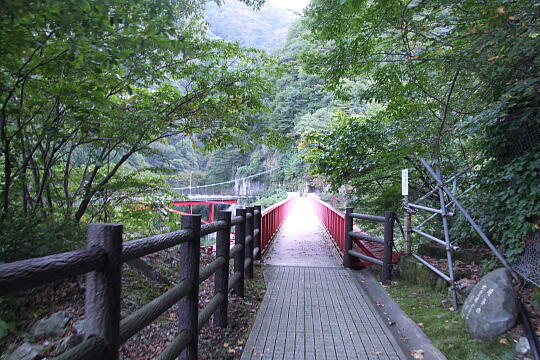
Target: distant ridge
264, 29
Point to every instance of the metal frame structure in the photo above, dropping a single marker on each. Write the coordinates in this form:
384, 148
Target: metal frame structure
442, 189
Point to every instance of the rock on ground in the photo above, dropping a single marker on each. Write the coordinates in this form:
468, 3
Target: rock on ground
54, 325
491, 308
79, 326
68, 342
26, 352
523, 346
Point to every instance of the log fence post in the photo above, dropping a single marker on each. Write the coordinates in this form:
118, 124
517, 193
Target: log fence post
239, 259
389, 219
221, 278
257, 225
249, 246
189, 270
103, 289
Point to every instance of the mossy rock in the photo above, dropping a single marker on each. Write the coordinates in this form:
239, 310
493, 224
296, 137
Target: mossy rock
414, 272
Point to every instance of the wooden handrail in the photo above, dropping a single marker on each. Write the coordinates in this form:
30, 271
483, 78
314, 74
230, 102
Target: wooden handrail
101, 261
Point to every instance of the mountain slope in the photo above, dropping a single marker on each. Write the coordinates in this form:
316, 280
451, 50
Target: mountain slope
264, 29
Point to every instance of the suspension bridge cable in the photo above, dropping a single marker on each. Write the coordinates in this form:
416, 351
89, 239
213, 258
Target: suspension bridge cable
229, 181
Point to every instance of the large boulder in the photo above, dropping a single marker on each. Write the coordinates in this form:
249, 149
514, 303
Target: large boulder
491, 308
54, 325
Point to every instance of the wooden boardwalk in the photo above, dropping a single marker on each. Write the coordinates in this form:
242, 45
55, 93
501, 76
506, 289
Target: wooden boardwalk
316, 312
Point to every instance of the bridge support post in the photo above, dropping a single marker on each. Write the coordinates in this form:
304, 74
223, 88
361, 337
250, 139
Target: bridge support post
347, 261
249, 242
188, 305
221, 278
239, 259
258, 227
103, 287
389, 219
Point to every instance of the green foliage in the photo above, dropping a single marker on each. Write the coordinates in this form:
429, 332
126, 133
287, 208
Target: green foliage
272, 198
4, 328
30, 236
86, 86
362, 153
457, 83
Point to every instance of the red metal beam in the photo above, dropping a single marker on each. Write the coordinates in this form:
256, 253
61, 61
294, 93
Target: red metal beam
204, 202
185, 213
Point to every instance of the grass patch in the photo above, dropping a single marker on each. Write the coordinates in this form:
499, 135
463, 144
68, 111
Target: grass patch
446, 328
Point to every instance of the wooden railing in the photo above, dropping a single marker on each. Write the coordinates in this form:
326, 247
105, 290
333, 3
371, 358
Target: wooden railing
387, 242
343, 233
102, 260
272, 219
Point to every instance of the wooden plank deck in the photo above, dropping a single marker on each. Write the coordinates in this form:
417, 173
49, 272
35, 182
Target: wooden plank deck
314, 309
317, 313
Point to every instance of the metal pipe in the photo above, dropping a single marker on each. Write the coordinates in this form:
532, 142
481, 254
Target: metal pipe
432, 268
447, 240
437, 211
430, 237
447, 205
471, 221
432, 191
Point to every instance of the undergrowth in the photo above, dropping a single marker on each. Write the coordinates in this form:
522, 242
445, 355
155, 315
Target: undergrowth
446, 328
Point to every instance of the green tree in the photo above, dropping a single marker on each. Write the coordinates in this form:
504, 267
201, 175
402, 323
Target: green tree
86, 85
458, 83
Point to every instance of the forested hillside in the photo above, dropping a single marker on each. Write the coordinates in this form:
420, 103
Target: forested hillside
265, 28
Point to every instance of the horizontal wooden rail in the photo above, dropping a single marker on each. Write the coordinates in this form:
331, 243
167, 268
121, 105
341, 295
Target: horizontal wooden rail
236, 249
139, 319
135, 249
90, 349
361, 256
386, 263
233, 280
236, 220
101, 261
179, 343
30, 273
367, 217
209, 309
366, 237
211, 268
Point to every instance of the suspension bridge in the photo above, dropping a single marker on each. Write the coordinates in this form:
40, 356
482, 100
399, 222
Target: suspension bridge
224, 194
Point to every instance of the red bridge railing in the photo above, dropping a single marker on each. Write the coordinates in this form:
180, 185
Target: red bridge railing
333, 220
272, 218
